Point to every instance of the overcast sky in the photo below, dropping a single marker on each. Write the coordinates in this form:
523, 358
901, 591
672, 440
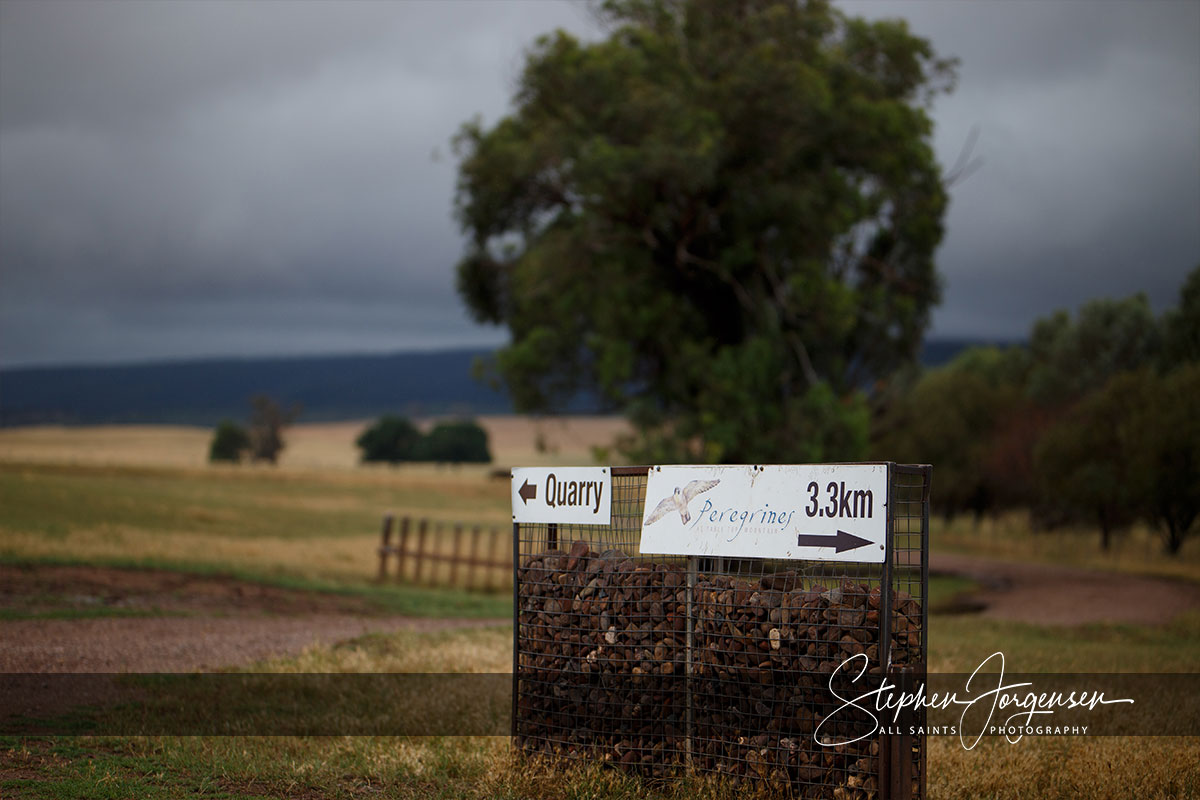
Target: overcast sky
184, 179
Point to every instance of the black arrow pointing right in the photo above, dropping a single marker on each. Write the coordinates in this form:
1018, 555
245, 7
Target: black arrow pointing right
527, 492
841, 540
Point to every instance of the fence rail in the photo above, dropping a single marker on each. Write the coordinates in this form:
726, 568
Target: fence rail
433, 553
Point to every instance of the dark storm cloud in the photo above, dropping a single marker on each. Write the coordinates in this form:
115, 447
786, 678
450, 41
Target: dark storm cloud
1088, 120
187, 178
192, 178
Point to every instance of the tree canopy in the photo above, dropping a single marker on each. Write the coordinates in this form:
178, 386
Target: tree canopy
267, 421
1092, 423
395, 439
390, 438
952, 418
1071, 357
721, 219
1181, 325
455, 442
1083, 460
230, 442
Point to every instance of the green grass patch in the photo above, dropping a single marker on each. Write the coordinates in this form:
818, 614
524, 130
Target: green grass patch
960, 643
389, 598
54, 499
1011, 537
949, 594
305, 525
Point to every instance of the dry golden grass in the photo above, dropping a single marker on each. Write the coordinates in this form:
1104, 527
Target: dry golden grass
147, 493
469, 650
306, 524
344, 558
1011, 537
1099, 768
319, 446
129, 445
534, 441
1035, 767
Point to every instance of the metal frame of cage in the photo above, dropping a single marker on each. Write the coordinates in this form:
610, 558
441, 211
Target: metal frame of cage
666, 664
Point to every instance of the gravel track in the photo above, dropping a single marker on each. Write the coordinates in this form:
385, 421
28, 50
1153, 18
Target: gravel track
228, 622
1049, 594
232, 623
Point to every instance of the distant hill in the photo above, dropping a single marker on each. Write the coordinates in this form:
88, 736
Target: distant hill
328, 387
204, 392
937, 352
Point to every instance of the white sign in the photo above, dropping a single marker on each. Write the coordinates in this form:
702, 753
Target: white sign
570, 495
817, 512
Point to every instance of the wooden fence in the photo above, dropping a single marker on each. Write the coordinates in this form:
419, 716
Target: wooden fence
446, 554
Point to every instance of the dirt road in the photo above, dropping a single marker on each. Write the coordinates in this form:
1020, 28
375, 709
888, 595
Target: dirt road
226, 622
211, 621
1048, 594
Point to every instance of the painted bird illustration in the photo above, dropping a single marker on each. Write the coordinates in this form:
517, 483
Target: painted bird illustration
679, 501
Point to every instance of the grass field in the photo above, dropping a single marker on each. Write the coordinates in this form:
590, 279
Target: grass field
131, 495
484, 767
145, 496
298, 523
1011, 537
128, 493
514, 441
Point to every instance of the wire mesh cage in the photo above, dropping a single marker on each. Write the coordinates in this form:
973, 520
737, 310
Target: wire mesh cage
733, 666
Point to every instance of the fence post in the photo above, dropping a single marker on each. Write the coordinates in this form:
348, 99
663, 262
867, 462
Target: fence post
457, 554
473, 567
493, 559
402, 549
384, 545
422, 527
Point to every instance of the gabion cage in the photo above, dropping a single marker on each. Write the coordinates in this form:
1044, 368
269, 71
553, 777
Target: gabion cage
668, 664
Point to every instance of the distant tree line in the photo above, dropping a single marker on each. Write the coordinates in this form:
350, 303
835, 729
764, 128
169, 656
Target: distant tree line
395, 439
1095, 421
261, 440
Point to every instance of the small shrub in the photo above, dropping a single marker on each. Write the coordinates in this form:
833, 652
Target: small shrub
230, 442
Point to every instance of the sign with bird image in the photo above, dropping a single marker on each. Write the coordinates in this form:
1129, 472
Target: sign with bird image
817, 512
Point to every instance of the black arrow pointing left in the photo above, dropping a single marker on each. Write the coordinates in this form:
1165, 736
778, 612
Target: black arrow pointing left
527, 492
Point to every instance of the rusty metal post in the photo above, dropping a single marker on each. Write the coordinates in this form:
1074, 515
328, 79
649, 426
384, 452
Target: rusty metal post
896, 749
902, 755
516, 605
